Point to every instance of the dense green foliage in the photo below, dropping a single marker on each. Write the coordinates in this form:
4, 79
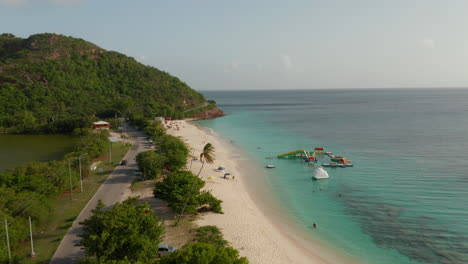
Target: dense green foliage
150, 163
179, 185
174, 149
128, 231
155, 130
210, 235
105, 261
27, 190
53, 83
204, 253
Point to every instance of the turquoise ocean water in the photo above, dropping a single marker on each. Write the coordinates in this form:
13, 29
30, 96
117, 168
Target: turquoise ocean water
406, 198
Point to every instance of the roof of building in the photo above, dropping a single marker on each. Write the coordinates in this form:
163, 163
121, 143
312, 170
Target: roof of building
101, 123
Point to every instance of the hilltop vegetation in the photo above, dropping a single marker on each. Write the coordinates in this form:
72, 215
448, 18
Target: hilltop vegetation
53, 83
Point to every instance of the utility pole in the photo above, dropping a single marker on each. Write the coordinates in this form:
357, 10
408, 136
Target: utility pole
110, 152
8, 241
81, 174
69, 172
30, 232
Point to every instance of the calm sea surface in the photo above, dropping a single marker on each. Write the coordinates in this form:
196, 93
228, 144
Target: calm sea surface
17, 149
406, 198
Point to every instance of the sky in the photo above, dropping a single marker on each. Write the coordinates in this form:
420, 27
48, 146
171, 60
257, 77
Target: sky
274, 44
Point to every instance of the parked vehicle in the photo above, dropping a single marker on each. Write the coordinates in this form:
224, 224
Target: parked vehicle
165, 249
123, 162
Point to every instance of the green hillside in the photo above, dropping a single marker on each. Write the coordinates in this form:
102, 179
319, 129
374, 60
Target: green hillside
54, 83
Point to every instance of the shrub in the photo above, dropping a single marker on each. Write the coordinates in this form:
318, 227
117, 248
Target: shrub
129, 230
182, 189
210, 235
203, 253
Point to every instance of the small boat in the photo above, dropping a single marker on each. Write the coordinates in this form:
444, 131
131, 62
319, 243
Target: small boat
270, 166
325, 164
333, 164
341, 165
320, 173
329, 153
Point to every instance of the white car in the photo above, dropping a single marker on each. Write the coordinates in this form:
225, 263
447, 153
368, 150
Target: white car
165, 249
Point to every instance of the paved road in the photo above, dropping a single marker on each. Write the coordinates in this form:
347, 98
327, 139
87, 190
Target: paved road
116, 188
203, 105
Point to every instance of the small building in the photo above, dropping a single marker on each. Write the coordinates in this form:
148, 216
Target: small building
160, 119
101, 125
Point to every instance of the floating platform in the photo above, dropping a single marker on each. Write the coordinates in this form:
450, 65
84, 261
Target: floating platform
297, 154
310, 156
319, 150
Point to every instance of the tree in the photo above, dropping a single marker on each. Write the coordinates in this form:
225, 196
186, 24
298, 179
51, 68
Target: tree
207, 156
182, 191
129, 230
150, 163
175, 151
155, 130
175, 188
203, 253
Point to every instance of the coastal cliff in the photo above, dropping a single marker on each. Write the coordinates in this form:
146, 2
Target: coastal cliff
209, 114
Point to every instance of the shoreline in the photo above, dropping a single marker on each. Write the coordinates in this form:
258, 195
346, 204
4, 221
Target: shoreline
251, 222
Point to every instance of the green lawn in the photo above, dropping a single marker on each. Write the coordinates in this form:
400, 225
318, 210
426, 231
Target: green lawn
65, 210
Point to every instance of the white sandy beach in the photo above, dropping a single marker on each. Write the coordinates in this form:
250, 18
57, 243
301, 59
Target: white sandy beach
259, 237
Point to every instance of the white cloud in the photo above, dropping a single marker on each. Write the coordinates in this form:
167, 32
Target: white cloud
28, 3
232, 67
286, 61
67, 3
428, 43
14, 3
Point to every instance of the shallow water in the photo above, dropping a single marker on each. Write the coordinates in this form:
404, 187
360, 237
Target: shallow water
17, 149
403, 202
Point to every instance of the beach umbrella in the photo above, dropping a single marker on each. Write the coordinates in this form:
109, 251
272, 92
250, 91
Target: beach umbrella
227, 174
221, 168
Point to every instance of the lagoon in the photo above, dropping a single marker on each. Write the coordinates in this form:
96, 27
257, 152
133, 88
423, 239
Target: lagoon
18, 149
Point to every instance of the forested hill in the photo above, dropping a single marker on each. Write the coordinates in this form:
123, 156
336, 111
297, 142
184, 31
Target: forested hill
54, 83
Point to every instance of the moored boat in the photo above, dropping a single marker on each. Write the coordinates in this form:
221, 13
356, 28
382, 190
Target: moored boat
320, 173
270, 166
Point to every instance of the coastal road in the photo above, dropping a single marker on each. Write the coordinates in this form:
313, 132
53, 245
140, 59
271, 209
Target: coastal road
116, 188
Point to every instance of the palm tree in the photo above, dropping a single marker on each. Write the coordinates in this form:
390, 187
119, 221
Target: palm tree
207, 156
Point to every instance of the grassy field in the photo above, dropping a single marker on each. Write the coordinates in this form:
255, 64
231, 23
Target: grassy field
65, 210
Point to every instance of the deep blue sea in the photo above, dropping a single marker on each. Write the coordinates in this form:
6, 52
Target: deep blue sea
406, 198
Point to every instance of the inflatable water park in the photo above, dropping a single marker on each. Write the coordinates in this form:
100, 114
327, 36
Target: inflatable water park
311, 156
329, 160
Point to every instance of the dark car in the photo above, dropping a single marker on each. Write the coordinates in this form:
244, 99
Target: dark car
123, 162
